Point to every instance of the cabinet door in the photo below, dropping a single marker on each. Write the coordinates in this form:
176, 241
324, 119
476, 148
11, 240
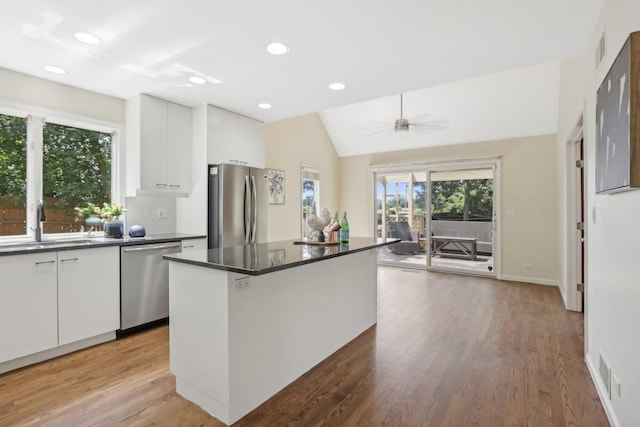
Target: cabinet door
222, 136
88, 293
28, 304
251, 142
194, 244
179, 148
153, 144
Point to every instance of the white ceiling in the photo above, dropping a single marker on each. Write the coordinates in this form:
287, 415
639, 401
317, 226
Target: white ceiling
378, 48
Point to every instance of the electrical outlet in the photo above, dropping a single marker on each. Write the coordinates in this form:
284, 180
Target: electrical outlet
616, 387
511, 212
527, 266
163, 213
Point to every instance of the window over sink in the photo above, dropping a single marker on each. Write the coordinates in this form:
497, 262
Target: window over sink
63, 162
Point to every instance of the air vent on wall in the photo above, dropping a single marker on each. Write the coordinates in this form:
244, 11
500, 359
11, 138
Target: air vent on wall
601, 50
605, 375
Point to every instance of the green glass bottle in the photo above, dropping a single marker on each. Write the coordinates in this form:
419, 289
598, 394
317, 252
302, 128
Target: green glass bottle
344, 229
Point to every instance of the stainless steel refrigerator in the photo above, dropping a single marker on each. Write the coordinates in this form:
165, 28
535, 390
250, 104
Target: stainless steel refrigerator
237, 205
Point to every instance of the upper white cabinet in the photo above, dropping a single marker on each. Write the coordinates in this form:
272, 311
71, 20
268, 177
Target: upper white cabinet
232, 138
159, 143
28, 304
88, 293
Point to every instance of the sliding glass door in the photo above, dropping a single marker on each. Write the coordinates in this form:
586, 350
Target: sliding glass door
445, 215
462, 219
401, 200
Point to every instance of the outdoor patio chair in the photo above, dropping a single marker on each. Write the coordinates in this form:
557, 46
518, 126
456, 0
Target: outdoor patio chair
407, 245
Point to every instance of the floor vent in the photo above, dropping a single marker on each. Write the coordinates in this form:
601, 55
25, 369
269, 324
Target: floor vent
601, 50
605, 375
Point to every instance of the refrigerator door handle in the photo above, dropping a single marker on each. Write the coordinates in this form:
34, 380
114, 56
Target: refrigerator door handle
254, 202
247, 210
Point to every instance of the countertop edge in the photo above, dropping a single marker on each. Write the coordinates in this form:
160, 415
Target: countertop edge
97, 242
256, 272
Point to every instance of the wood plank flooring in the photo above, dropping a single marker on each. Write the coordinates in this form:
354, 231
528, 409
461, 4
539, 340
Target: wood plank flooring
447, 351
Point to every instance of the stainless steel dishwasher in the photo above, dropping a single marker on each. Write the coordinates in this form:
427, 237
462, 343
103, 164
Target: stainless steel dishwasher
144, 283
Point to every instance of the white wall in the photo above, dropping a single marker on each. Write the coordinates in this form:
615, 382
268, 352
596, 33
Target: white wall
290, 143
613, 241
529, 188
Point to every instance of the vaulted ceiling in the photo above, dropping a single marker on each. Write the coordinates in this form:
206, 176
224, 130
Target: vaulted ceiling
468, 62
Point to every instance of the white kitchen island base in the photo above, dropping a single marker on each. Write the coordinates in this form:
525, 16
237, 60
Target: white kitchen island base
238, 339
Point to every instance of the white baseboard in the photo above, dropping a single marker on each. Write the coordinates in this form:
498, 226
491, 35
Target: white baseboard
535, 280
602, 393
55, 352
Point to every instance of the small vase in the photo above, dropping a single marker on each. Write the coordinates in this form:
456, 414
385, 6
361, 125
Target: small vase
114, 229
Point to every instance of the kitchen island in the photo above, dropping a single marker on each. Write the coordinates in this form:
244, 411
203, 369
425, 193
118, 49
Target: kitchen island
246, 321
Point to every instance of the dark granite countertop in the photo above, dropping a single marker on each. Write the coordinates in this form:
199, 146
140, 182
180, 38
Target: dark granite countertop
83, 242
262, 258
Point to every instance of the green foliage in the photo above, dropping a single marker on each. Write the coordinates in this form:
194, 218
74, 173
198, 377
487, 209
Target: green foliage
469, 199
76, 166
13, 156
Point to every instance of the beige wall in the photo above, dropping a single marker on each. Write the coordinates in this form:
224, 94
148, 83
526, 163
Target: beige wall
290, 143
529, 187
23, 90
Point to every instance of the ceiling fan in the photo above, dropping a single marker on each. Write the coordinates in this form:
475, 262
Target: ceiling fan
420, 124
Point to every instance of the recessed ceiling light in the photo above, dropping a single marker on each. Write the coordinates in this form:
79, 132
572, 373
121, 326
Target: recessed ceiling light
264, 106
277, 49
55, 70
197, 80
87, 38
337, 86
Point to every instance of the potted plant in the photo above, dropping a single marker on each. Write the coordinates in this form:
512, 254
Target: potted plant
113, 226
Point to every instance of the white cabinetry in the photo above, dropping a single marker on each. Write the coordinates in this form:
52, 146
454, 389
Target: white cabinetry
159, 136
194, 244
28, 304
88, 293
232, 138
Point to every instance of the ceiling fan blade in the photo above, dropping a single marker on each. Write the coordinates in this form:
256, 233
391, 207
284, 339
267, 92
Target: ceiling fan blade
432, 124
379, 132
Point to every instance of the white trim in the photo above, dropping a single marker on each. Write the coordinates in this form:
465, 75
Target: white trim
602, 394
534, 280
571, 297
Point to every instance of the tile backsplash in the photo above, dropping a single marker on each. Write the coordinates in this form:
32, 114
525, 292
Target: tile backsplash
157, 214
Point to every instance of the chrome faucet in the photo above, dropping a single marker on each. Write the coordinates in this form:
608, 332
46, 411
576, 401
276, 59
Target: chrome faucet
40, 218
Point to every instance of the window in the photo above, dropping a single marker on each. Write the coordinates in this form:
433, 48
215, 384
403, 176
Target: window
76, 170
310, 194
13, 175
62, 164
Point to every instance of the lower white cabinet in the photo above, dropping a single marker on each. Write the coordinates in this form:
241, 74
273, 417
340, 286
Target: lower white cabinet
88, 293
194, 244
50, 299
28, 304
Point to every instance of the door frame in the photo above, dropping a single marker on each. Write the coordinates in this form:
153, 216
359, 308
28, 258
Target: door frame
575, 257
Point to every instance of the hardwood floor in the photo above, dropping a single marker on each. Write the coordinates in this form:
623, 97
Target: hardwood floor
447, 351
